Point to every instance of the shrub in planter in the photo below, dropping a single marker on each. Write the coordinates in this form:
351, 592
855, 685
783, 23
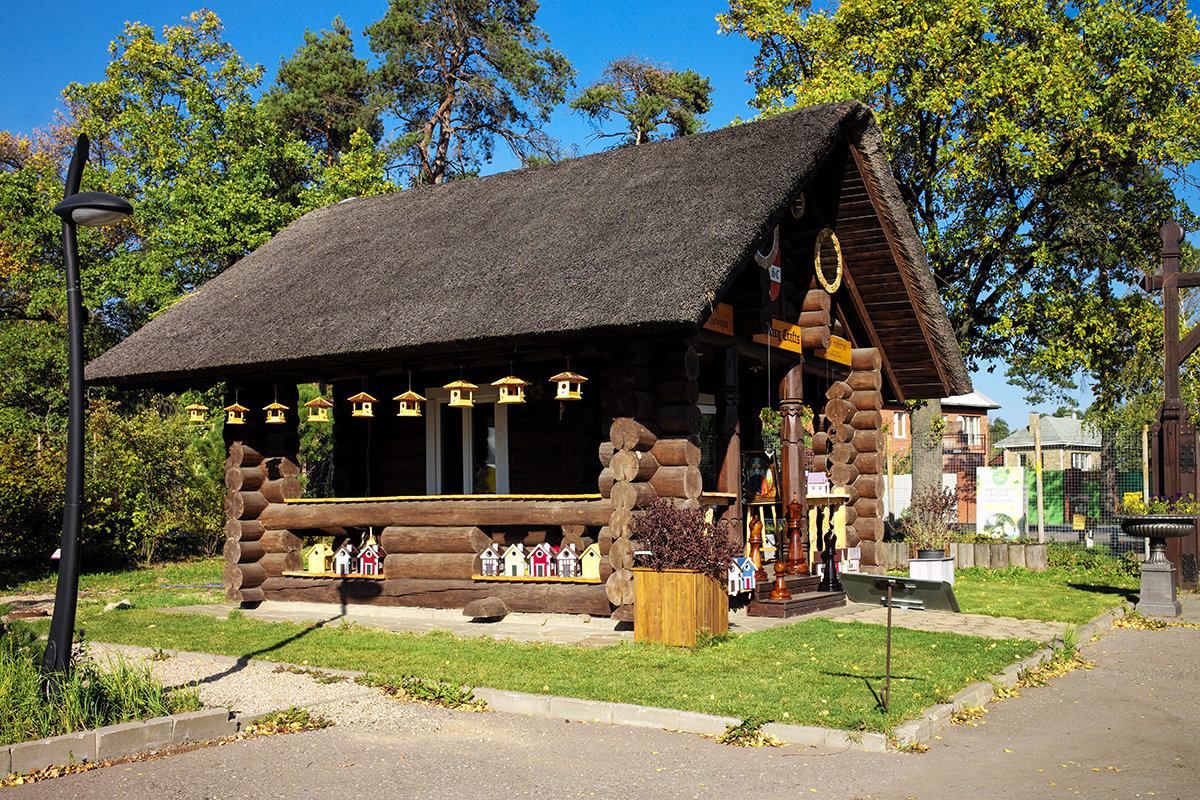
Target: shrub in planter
679, 575
931, 514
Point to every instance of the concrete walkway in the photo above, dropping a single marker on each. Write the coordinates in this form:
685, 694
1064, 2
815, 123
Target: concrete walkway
1128, 728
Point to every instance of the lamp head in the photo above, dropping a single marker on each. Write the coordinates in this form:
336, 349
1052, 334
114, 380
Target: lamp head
93, 209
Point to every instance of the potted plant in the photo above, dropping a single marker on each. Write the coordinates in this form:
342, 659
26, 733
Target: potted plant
927, 524
1158, 517
679, 576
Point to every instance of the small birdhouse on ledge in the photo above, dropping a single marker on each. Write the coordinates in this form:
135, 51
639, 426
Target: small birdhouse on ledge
235, 414
410, 404
197, 412
570, 386
512, 389
275, 415
362, 405
318, 409
462, 393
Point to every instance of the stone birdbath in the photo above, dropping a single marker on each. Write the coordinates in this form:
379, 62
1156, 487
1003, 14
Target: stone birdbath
1158, 573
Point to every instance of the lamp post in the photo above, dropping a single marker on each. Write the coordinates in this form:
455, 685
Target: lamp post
92, 209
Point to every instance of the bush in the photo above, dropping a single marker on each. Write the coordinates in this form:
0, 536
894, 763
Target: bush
680, 538
931, 515
31, 502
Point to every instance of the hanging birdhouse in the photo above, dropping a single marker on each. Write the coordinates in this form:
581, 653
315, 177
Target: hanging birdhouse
318, 409
235, 414
197, 412
462, 393
410, 404
512, 389
570, 386
275, 415
362, 405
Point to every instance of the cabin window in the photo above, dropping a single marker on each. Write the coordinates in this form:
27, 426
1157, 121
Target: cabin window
466, 448
899, 425
709, 441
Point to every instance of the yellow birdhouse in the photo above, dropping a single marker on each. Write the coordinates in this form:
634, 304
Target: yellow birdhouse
235, 414
196, 412
410, 404
362, 405
570, 386
512, 389
318, 409
275, 414
462, 393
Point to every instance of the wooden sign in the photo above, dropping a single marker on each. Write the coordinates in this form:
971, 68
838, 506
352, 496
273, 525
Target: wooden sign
721, 320
837, 352
784, 335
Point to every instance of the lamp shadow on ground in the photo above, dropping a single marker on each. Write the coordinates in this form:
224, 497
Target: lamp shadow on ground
879, 680
1126, 594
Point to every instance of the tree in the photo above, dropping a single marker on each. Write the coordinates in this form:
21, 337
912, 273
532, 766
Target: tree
322, 93
998, 430
457, 74
1032, 141
648, 96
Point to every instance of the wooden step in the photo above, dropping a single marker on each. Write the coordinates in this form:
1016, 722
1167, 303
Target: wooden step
799, 604
796, 584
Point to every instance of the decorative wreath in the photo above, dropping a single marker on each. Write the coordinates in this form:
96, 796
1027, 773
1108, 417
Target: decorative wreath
830, 287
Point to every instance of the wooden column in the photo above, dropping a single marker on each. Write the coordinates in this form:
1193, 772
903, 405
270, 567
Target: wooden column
729, 438
793, 483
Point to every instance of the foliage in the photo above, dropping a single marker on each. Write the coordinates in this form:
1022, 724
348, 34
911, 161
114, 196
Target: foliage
1094, 565
680, 538
420, 690
1135, 506
31, 501
1035, 143
322, 93
360, 171
92, 695
289, 720
648, 97
460, 73
316, 448
749, 733
928, 522
998, 431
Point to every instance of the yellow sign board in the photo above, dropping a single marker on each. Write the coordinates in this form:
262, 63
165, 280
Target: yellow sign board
837, 352
721, 319
784, 335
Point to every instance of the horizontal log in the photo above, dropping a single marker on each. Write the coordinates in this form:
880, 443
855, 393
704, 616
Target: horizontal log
850, 514
839, 433
842, 474
606, 480
817, 300
867, 420
553, 598
276, 491
239, 552
631, 403
867, 555
530, 537
627, 433
243, 529
683, 451
244, 505
869, 528
813, 319
815, 338
619, 587
682, 482
437, 513
618, 526
280, 541
870, 486
843, 453
867, 401
869, 507
669, 393
681, 419
633, 465
245, 596
632, 495
243, 455
620, 555
869, 441
244, 478
871, 463
865, 359
838, 390
820, 443
606, 453
622, 613
605, 539
838, 410
243, 576
871, 381
431, 539
430, 566
630, 376
275, 564
277, 467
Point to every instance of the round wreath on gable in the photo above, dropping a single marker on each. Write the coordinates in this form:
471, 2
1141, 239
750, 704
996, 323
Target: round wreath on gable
825, 235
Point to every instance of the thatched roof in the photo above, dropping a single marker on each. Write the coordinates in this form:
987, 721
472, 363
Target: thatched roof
633, 240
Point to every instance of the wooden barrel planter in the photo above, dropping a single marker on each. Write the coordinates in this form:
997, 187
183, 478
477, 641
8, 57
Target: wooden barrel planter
674, 606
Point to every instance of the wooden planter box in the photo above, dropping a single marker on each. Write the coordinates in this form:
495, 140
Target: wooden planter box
675, 605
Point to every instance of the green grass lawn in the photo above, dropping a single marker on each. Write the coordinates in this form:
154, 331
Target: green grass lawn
1054, 595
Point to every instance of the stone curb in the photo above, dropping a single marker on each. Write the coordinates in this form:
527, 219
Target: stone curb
937, 718
118, 741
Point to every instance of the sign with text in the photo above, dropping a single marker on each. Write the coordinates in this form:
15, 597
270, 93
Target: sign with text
784, 335
721, 320
1000, 493
838, 351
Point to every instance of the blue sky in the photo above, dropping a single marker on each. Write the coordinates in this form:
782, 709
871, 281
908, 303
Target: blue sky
44, 46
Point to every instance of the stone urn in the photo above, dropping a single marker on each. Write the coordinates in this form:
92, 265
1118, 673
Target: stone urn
1158, 573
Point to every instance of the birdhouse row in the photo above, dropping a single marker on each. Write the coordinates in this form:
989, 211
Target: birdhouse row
542, 561
347, 560
511, 390
741, 576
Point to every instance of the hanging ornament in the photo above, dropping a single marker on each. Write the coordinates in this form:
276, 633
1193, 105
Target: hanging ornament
318, 409
410, 404
771, 261
362, 405
275, 415
196, 412
829, 286
569, 385
512, 389
235, 414
462, 393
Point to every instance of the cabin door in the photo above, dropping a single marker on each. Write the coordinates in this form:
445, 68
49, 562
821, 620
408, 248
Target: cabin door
466, 448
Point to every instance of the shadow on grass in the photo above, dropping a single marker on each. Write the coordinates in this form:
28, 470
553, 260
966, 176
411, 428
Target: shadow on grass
1116, 591
881, 679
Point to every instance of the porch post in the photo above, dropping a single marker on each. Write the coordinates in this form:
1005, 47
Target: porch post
793, 482
729, 441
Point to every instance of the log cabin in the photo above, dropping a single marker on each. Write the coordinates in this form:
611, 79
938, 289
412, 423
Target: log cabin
691, 282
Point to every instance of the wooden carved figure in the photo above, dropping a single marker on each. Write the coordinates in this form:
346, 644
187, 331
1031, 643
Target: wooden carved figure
590, 562
345, 560
568, 561
540, 559
370, 558
319, 558
514, 561
362, 405
491, 561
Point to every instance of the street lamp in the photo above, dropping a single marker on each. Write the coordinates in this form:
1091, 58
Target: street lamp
90, 209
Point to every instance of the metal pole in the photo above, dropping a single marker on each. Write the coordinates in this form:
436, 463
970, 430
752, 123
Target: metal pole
58, 646
887, 675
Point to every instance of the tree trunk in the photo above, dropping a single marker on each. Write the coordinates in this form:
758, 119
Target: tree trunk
927, 445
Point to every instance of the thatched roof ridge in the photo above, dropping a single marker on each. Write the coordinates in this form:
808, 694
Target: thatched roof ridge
626, 241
